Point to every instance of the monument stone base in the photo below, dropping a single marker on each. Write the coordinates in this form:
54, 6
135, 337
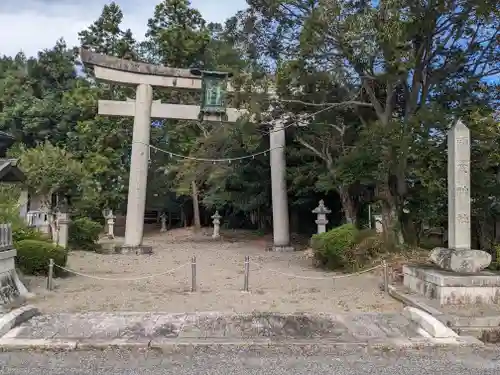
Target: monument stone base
452, 288
12, 289
137, 250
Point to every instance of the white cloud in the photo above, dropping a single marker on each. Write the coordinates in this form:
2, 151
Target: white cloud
37, 25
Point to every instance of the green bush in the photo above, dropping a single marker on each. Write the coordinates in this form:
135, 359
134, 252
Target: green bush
346, 248
84, 234
330, 247
23, 232
33, 257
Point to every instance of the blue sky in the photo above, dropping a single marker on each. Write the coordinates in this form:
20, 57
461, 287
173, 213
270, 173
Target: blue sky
31, 25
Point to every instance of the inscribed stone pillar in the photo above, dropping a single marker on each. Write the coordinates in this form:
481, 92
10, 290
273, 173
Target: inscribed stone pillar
281, 230
459, 229
459, 257
136, 202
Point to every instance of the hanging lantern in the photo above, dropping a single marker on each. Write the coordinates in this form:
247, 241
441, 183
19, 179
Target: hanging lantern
214, 93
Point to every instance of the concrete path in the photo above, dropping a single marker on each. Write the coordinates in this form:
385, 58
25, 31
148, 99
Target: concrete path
428, 361
169, 332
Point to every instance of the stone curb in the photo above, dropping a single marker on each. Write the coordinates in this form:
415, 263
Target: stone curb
428, 323
16, 317
467, 326
180, 346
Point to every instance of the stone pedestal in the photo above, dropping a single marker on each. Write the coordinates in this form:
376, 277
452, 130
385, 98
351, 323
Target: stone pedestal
11, 288
453, 288
135, 250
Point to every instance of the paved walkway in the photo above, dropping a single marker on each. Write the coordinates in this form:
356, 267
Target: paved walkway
429, 361
147, 329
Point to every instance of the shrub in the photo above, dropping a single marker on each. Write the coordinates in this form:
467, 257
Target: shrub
330, 247
84, 234
21, 233
33, 257
347, 248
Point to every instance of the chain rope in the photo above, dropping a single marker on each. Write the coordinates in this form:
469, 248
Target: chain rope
313, 277
261, 268
123, 279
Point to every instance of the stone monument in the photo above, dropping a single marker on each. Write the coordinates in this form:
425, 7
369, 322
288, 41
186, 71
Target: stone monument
321, 212
458, 277
216, 221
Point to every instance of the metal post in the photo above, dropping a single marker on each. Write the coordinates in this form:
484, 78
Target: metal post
50, 274
386, 276
247, 272
193, 274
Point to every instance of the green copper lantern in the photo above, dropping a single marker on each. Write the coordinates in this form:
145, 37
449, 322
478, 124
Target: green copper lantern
214, 92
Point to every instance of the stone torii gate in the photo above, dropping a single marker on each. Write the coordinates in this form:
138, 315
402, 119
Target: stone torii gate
144, 76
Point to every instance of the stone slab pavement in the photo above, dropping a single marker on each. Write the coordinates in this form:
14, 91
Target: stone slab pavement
170, 331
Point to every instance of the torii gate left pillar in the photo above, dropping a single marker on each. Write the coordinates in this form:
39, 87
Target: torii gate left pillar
138, 180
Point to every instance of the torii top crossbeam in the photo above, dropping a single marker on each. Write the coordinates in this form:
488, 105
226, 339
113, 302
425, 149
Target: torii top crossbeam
135, 73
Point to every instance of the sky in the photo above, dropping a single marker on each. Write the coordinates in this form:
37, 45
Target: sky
32, 25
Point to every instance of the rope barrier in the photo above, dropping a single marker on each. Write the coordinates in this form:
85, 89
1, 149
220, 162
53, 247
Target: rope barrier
123, 279
317, 278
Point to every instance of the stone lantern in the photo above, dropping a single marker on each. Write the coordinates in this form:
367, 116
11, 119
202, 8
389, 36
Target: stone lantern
163, 220
110, 221
321, 211
216, 221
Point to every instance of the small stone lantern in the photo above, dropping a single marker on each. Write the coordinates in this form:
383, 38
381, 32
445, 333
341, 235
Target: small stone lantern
110, 221
163, 219
321, 211
216, 221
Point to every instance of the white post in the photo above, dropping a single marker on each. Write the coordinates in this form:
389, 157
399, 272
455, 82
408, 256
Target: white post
62, 229
321, 212
136, 203
216, 221
281, 230
379, 228
23, 204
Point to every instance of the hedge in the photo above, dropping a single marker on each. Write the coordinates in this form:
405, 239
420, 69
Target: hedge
33, 257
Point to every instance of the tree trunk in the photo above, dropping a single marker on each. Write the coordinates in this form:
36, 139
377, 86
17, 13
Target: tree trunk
196, 206
348, 206
391, 222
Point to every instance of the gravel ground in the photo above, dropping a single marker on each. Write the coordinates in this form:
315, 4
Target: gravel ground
423, 362
220, 281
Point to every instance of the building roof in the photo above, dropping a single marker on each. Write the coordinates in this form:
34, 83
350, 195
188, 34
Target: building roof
10, 172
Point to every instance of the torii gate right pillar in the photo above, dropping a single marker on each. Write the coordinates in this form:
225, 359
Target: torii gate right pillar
281, 227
